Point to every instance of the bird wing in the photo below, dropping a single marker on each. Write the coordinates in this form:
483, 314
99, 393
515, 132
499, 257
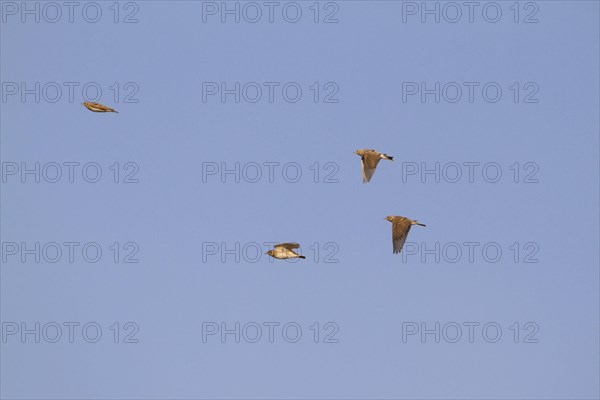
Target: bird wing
101, 106
369, 162
399, 234
289, 246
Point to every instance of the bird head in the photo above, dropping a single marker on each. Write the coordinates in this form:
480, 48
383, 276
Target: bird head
389, 218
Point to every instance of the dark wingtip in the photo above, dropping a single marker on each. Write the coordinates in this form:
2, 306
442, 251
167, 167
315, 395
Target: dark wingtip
301, 257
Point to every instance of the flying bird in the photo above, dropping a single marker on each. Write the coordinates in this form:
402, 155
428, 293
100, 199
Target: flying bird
97, 107
369, 160
400, 228
284, 251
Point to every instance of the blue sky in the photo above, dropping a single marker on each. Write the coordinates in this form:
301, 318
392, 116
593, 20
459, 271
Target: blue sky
172, 216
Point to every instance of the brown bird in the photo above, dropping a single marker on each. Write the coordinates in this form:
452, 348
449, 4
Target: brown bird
369, 160
400, 228
97, 107
284, 251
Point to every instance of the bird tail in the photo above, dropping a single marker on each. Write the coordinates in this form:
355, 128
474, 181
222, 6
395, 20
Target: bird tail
301, 257
388, 157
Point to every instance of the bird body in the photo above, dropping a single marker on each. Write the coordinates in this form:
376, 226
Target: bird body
369, 160
97, 107
400, 228
284, 251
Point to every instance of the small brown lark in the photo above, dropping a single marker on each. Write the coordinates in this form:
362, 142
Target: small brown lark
369, 160
97, 107
400, 228
284, 251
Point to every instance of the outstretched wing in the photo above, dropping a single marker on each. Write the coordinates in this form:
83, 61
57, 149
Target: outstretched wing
369, 162
101, 107
399, 234
289, 246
